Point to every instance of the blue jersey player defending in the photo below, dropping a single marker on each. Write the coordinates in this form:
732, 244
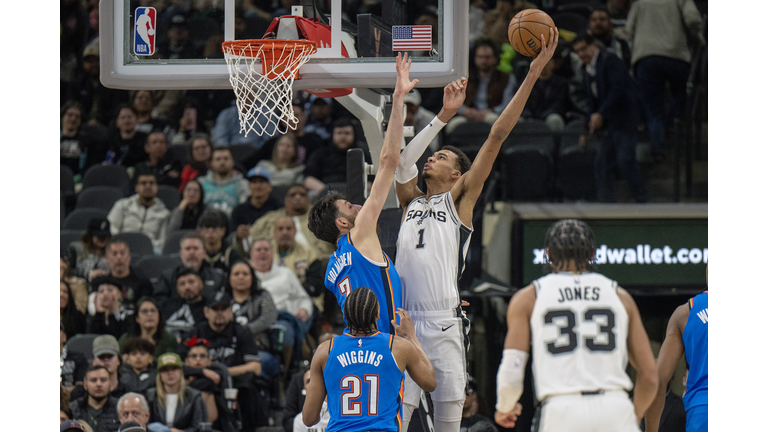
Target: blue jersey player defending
687, 334
359, 260
360, 373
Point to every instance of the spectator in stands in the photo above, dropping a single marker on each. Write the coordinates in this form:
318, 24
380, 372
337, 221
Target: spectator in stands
307, 141
142, 212
297, 207
224, 187
98, 408
200, 154
138, 354
72, 40
497, 19
143, 103
233, 346
612, 113
76, 285
260, 202
325, 417
200, 373
73, 365
218, 254
126, 145
660, 35
470, 419
291, 300
320, 121
329, 164
105, 353
226, 130
488, 89
191, 208
192, 254
86, 88
284, 168
550, 101
148, 324
185, 310
254, 309
90, 251
160, 162
301, 260
177, 45
79, 149
419, 117
601, 27
134, 284
73, 319
171, 402
110, 314
133, 407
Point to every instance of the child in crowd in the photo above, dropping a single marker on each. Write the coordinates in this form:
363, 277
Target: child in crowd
140, 372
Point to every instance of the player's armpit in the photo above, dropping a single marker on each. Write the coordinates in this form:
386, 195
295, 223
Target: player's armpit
310, 414
407, 192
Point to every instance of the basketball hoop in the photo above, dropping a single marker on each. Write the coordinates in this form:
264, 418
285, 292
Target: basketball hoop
264, 98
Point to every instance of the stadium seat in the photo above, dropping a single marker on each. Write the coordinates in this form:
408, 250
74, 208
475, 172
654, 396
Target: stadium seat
102, 197
107, 175
68, 236
279, 193
527, 174
576, 168
169, 195
83, 344
139, 244
531, 127
469, 137
78, 219
242, 152
545, 143
173, 240
66, 180
153, 266
179, 152
571, 21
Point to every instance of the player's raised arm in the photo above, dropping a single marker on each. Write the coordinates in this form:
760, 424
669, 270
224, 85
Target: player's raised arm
310, 414
470, 185
407, 173
640, 357
368, 217
671, 350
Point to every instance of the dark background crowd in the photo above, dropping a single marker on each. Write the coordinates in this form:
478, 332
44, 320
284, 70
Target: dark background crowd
187, 268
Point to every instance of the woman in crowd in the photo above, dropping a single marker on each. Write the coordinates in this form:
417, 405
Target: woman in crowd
190, 209
284, 168
110, 314
172, 403
76, 285
200, 154
91, 250
73, 319
253, 309
148, 323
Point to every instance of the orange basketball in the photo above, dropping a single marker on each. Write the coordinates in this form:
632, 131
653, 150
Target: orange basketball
525, 31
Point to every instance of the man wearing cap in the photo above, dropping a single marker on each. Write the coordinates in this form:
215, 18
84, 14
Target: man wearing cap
133, 412
131, 426
192, 255
187, 309
177, 45
232, 345
260, 202
105, 353
224, 188
98, 408
218, 254
87, 254
70, 426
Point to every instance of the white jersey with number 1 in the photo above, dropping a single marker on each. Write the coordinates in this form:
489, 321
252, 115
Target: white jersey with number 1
431, 253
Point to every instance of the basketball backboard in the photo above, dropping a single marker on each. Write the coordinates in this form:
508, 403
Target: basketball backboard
176, 44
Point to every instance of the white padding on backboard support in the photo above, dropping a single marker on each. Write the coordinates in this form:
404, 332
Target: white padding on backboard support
287, 29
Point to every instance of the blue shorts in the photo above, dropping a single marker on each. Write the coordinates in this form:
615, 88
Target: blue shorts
697, 419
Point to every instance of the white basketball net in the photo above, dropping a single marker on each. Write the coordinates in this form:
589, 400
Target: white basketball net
264, 104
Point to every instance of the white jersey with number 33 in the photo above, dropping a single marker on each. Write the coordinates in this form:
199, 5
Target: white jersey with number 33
431, 252
578, 335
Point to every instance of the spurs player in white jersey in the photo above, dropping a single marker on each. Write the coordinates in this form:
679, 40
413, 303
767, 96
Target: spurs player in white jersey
433, 242
582, 328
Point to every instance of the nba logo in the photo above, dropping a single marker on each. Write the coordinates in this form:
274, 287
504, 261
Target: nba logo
144, 31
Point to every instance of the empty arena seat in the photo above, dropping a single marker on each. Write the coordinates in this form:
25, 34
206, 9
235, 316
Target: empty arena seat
169, 195
526, 172
102, 197
107, 175
78, 219
576, 168
179, 152
242, 152
173, 241
83, 344
469, 137
139, 244
153, 266
68, 236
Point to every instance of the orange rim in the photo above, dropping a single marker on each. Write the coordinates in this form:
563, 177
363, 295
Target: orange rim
240, 47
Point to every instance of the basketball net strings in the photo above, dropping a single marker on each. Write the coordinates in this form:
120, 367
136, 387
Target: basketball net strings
264, 104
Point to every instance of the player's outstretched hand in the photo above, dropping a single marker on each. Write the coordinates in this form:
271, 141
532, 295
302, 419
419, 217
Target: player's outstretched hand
404, 84
547, 51
509, 419
454, 94
406, 328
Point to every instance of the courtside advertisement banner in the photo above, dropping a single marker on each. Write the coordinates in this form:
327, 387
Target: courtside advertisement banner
637, 253
144, 31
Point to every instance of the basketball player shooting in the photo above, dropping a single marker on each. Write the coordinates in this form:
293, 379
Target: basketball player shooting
433, 243
583, 328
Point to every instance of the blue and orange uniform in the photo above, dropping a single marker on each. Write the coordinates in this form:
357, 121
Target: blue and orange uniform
695, 342
349, 269
363, 383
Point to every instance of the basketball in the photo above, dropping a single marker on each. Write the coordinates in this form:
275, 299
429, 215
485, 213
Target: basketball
525, 31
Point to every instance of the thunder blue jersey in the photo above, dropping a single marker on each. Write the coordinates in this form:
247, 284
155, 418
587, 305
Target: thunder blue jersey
349, 269
364, 384
695, 341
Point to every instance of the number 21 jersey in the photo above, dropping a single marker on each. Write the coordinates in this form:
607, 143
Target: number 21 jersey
579, 332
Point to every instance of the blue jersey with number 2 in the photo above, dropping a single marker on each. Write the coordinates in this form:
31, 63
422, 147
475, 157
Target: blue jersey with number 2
695, 341
349, 269
364, 384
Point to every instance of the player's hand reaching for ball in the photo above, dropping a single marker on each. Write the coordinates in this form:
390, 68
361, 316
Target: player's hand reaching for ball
547, 51
454, 94
404, 84
406, 328
509, 419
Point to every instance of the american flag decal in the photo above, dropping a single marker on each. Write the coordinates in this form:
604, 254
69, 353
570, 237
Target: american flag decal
412, 38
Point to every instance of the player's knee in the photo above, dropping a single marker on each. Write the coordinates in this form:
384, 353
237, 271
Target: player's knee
448, 411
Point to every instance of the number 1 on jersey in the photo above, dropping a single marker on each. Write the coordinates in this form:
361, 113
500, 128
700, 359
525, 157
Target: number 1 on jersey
421, 239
